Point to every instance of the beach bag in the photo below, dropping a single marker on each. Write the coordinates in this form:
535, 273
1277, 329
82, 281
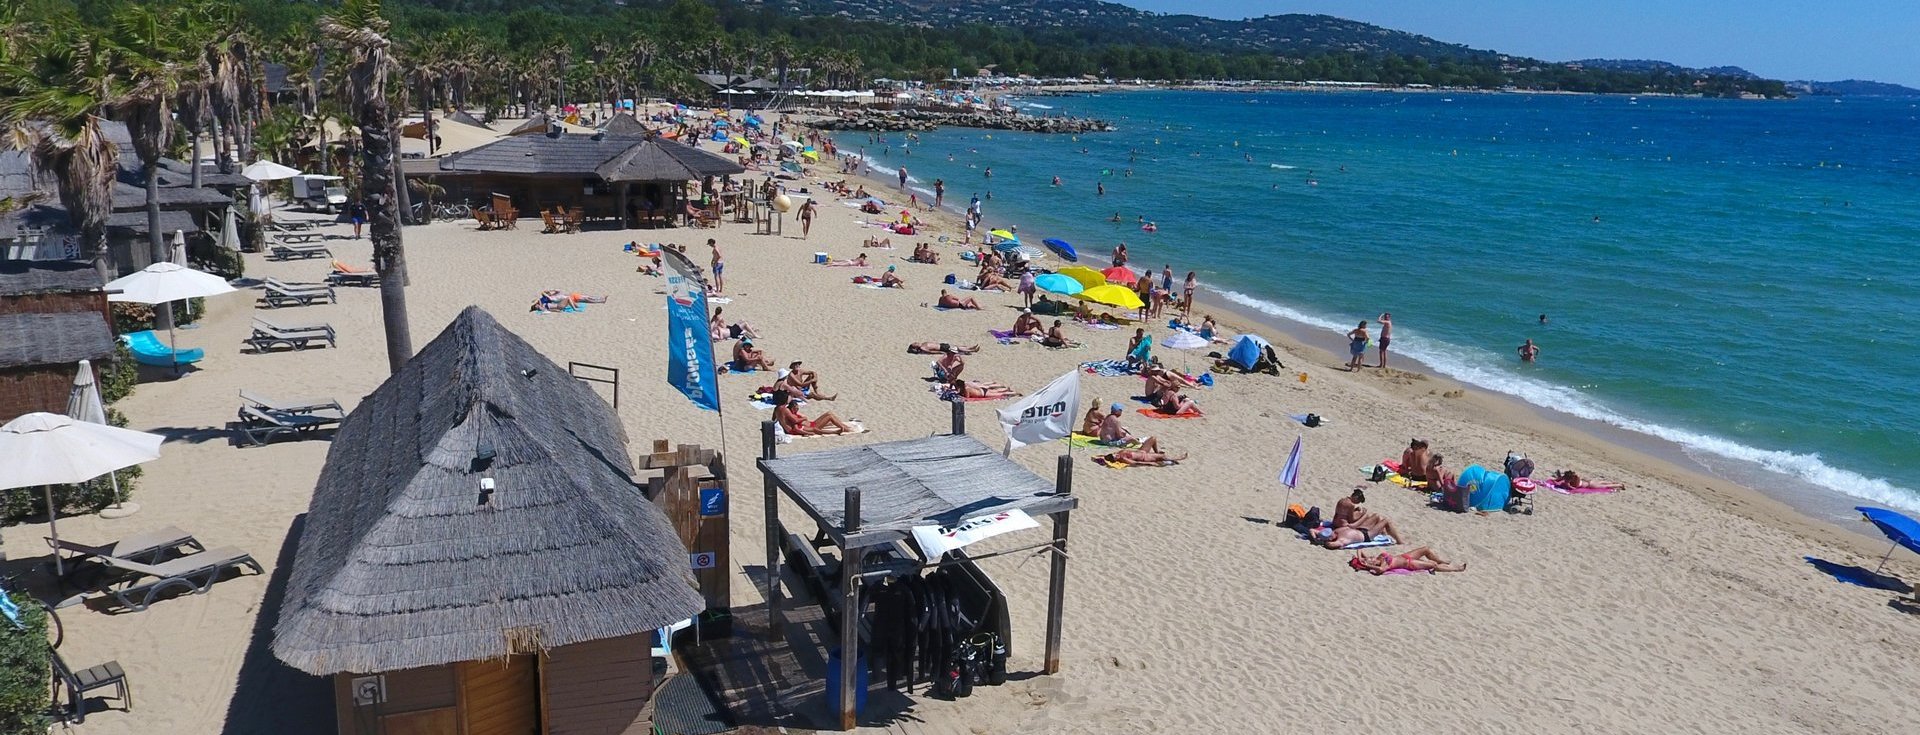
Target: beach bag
1312, 421
950, 279
1379, 473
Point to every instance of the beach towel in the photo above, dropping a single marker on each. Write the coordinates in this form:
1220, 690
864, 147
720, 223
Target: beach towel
1004, 336
1084, 441
1302, 418
1097, 326
1103, 461
946, 393
1109, 368
1154, 413
1582, 490
1380, 540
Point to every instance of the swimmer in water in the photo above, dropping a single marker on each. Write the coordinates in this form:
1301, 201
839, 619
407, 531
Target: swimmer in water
1529, 351
1116, 218
1100, 189
1056, 181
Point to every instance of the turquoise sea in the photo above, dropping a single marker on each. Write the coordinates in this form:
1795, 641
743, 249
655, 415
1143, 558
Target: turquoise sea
1747, 291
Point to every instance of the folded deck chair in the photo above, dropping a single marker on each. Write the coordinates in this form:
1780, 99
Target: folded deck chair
267, 336
277, 296
78, 683
193, 572
268, 404
262, 426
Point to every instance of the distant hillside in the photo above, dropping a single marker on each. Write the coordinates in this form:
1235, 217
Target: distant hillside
1294, 34
1853, 88
1647, 65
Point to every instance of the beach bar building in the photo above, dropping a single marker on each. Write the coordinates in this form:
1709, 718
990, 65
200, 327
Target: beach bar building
607, 176
476, 558
53, 314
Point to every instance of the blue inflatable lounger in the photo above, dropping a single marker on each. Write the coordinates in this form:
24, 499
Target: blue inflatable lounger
149, 350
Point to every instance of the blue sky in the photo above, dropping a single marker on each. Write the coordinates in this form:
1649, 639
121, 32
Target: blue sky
1782, 39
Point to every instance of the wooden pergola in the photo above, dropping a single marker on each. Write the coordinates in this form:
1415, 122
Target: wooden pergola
873, 495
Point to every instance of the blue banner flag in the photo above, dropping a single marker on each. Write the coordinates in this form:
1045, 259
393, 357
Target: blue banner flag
689, 348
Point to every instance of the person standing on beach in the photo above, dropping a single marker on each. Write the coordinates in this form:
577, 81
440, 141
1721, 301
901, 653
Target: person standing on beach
1120, 255
1386, 336
357, 214
939, 192
1186, 301
1528, 351
806, 218
1166, 278
719, 266
1357, 346
903, 177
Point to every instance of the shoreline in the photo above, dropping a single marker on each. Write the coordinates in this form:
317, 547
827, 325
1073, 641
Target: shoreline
1649, 454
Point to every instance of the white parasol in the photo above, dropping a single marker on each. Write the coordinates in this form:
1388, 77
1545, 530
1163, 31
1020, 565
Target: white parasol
163, 283
264, 170
84, 404
50, 449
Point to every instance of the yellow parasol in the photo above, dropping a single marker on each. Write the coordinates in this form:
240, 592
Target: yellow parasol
742, 141
1003, 234
1112, 295
811, 156
1087, 277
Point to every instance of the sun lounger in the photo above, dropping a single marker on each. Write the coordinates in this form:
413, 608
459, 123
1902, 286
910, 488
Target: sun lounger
278, 295
297, 237
267, 336
262, 426
268, 404
147, 349
78, 683
291, 251
346, 275
193, 572
145, 546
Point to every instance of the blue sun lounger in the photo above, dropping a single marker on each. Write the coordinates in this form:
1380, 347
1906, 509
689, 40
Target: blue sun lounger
149, 350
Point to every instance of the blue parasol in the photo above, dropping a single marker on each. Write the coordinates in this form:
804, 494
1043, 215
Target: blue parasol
1902, 530
1056, 283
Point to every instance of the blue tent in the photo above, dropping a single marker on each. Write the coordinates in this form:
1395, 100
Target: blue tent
1490, 492
1246, 351
1901, 529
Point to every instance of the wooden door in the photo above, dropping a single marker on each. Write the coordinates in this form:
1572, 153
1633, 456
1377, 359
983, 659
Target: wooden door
442, 721
500, 697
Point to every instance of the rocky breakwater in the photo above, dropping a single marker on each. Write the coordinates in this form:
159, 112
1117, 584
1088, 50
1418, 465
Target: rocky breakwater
891, 120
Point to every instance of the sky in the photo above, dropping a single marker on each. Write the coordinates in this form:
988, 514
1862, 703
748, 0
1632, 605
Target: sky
1823, 40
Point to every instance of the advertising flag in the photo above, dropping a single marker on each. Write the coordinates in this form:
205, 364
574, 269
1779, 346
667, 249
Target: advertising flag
1044, 416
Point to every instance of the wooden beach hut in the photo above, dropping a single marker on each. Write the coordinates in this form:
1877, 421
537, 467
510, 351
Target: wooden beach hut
476, 557
607, 176
53, 314
866, 497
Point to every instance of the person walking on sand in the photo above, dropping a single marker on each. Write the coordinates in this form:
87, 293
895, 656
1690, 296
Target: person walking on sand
1528, 351
806, 218
1386, 336
1186, 300
719, 267
1357, 346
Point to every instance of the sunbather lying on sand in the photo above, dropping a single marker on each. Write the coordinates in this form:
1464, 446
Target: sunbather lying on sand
1571, 479
950, 301
719, 329
555, 300
939, 348
979, 389
1170, 401
1421, 559
859, 261
795, 424
877, 242
1140, 458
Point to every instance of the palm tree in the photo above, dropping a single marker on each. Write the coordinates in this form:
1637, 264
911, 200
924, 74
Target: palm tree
50, 90
361, 32
157, 66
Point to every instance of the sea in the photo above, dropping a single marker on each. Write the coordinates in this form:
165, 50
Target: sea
1734, 281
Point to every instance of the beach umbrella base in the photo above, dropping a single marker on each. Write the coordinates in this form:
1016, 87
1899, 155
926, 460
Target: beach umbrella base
119, 511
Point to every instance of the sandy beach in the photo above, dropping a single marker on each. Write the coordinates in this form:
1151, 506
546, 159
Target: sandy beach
1681, 604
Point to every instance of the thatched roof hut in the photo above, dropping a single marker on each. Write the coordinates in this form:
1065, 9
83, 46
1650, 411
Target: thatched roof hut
624, 124
406, 561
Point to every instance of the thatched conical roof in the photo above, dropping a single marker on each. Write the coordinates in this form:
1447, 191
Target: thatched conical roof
624, 124
404, 561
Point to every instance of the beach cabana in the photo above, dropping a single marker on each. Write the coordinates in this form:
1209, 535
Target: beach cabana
865, 497
476, 556
53, 314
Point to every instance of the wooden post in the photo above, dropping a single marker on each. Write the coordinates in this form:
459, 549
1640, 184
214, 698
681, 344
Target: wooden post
959, 418
768, 487
850, 615
622, 204
1057, 579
